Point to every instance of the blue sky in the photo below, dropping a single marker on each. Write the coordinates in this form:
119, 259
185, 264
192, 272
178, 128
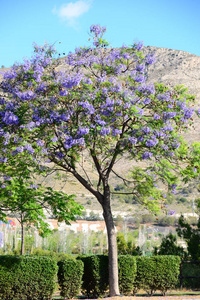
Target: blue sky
172, 24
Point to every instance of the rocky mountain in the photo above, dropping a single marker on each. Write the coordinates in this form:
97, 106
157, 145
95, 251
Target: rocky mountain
174, 67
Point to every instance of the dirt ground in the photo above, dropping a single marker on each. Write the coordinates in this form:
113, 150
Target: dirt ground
170, 296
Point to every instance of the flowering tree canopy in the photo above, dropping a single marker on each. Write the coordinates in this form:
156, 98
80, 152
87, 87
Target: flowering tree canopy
96, 107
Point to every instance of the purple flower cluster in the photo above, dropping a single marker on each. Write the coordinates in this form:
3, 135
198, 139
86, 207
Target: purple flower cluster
26, 95
171, 212
147, 155
151, 142
9, 118
105, 131
97, 29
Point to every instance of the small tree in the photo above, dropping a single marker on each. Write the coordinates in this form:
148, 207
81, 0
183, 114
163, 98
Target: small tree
169, 246
19, 195
100, 110
191, 234
126, 247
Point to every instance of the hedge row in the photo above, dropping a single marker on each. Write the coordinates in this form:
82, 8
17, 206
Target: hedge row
147, 273
157, 273
96, 278
31, 278
27, 278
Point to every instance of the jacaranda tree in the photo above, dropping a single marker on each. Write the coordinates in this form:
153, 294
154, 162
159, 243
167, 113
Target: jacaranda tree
97, 107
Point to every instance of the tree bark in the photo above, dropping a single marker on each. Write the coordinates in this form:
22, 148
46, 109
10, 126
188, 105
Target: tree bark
22, 237
112, 247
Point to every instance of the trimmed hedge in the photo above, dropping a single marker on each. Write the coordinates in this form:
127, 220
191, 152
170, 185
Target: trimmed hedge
95, 277
70, 277
127, 272
157, 273
27, 277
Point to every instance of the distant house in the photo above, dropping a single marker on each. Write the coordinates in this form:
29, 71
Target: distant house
79, 226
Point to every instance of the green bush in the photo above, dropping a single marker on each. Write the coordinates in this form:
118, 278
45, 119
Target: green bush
70, 274
95, 277
27, 278
169, 246
127, 273
191, 269
57, 256
157, 273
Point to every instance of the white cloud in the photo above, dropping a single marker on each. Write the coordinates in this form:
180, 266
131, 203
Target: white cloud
70, 12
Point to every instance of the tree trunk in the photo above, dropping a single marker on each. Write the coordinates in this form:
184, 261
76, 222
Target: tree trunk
22, 238
112, 247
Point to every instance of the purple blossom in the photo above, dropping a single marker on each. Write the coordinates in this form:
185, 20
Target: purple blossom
147, 101
141, 138
150, 59
29, 148
54, 139
171, 212
60, 155
140, 78
156, 117
140, 67
132, 140
99, 121
63, 93
146, 89
116, 131
181, 104
164, 147
138, 46
2, 101
34, 186
89, 107
40, 143
9, 118
188, 112
146, 130
97, 29
83, 130
104, 131
147, 155
175, 145
26, 95
169, 115
19, 149
151, 142
11, 74
168, 128
3, 159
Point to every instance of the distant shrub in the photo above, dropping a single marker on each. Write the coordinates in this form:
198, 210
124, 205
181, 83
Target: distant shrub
70, 274
27, 278
166, 221
182, 200
148, 218
169, 246
57, 256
